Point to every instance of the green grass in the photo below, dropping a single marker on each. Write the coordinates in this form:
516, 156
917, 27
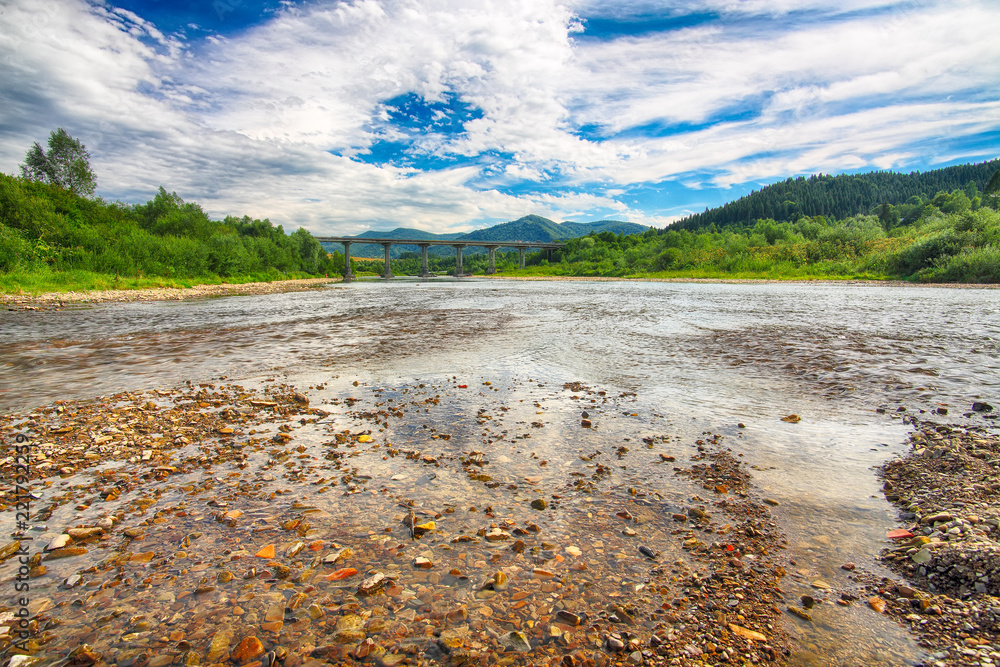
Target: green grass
37, 282
804, 273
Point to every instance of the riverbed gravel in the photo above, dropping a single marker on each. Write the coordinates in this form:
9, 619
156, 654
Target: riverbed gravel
219, 525
946, 551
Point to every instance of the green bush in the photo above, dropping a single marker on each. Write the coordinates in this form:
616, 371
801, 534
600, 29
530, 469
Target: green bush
975, 265
47, 227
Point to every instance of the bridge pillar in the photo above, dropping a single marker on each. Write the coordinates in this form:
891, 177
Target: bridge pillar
348, 276
548, 254
387, 273
520, 257
492, 266
424, 270
458, 261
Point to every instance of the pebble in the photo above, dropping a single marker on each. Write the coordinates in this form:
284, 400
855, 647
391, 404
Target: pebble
372, 584
66, 552
79, 534
795, 611
568, 617
219, 645
247, 649
58, 542
747, 633
497, 535
9, 549
516, 641
421, 528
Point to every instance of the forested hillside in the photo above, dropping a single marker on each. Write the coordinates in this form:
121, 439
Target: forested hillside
842, 196
947, 237
47, 229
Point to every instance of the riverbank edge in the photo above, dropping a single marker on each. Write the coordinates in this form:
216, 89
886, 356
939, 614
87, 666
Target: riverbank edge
944, 485
58, 299
205, 291
749, 281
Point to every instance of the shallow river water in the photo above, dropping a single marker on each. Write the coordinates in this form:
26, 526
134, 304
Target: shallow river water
665, 361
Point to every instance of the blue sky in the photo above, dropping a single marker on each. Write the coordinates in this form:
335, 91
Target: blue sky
445, 115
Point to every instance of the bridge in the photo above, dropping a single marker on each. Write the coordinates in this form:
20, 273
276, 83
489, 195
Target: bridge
491, 247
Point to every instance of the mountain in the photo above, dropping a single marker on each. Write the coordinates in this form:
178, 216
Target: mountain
613, 226
531, 228
842, 196
408, 233
528, 228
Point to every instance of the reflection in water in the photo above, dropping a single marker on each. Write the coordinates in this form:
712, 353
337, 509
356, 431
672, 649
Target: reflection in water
700, 358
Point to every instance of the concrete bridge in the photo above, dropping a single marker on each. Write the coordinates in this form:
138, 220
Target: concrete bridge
491, 247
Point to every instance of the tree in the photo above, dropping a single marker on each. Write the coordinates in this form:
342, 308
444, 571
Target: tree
66, 164
992, 189
888, 216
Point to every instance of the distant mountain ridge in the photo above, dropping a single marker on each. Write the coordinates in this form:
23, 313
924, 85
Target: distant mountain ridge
530, 228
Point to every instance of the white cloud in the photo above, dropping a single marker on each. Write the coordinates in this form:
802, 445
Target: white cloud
263, 122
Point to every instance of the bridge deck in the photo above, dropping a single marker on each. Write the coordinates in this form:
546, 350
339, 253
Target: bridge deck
551, 245
424, 244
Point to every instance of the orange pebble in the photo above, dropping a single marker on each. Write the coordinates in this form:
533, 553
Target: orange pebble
266, 552
342, 573
317, 545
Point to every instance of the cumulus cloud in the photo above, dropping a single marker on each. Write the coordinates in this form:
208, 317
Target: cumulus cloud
516, 106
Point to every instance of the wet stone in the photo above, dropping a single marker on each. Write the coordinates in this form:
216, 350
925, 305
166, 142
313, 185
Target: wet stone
516, 641
568, 617
372, 584
79, 534
65, 552
497, 535
58, 542
249, 648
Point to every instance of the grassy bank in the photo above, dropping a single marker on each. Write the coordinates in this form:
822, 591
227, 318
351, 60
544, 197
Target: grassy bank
947, 239
33, 283
52, 239
571, 271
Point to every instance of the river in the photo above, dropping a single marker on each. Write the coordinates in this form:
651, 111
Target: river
853, 361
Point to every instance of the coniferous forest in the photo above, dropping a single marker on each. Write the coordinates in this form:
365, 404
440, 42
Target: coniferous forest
840, 197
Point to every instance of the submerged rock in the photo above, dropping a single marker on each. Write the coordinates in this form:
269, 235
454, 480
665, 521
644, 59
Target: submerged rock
516, 641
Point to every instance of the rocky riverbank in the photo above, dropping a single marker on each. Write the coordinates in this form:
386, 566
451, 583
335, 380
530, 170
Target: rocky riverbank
219, 525
52, 300
948, 550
